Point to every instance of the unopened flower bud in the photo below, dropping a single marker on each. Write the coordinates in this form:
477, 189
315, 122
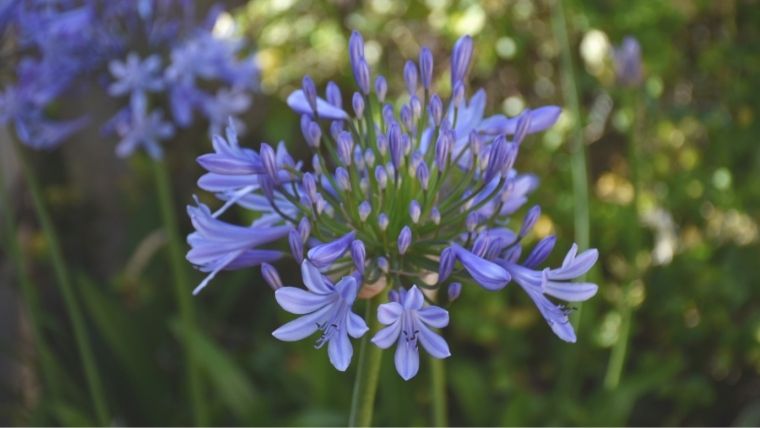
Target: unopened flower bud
364, 210
426, 67
358, 103
310, 91
296, 245
415, 211
381, 88
358, 254
454, 291
410, 77
446, 264
270, 275
382, 221
404, 240
333, 94
435, 216
342, 178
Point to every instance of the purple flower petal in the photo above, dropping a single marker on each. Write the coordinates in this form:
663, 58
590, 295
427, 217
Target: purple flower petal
434, 316
414, 299
302, 327
340, 351
488, 274
298, 102
313, 279
407, 359
387, 336
325, 254
356, 326
388, 313
433, 343
570, 291
299, 302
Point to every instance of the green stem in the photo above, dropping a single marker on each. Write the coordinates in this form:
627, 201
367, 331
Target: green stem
368, 372
181, 288
30, 294
578, 171
60, 270
617, 356
619, 350
438, 389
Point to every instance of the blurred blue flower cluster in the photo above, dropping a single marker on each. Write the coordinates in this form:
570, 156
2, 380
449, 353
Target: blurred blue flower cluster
164, 67
398, 202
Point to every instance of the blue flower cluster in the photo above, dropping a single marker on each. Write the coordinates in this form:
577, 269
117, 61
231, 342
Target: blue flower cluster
409, 204
141, 52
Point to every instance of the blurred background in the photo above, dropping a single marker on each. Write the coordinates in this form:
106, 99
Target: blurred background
679, 245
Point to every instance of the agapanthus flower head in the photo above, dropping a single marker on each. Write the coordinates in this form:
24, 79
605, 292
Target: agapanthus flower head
400, 192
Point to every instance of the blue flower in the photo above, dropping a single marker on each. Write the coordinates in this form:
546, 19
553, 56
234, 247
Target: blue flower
628, 65
325, 307
408, 322
135, 77
556, 283
66, 45
141, 128
217, 245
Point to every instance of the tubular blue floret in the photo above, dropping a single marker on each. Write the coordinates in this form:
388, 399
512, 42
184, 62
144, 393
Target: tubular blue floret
454, 291
324, 307
460, 60
382, 221
381, 88
310, 92
324, 255
358, 255
426, 67
343, 179
216, 245
334, 97
296, 245
487, 274
364, 210
270, 275
410, 77
530, 219
415, 210
404, 240
408, 322
358, 104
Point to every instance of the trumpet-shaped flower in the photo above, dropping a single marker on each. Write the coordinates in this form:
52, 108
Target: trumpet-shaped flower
409, 323
325, 307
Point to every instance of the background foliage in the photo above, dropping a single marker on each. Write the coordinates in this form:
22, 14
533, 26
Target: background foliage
694, 353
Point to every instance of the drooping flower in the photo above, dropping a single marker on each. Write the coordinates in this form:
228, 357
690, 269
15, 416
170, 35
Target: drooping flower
556, 283
217, 245
408, 323
325, 307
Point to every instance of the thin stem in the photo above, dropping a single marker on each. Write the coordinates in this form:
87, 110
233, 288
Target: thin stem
29, 292
578, 172
438, 390
619, 350
368, 371
181, 284
76, 317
